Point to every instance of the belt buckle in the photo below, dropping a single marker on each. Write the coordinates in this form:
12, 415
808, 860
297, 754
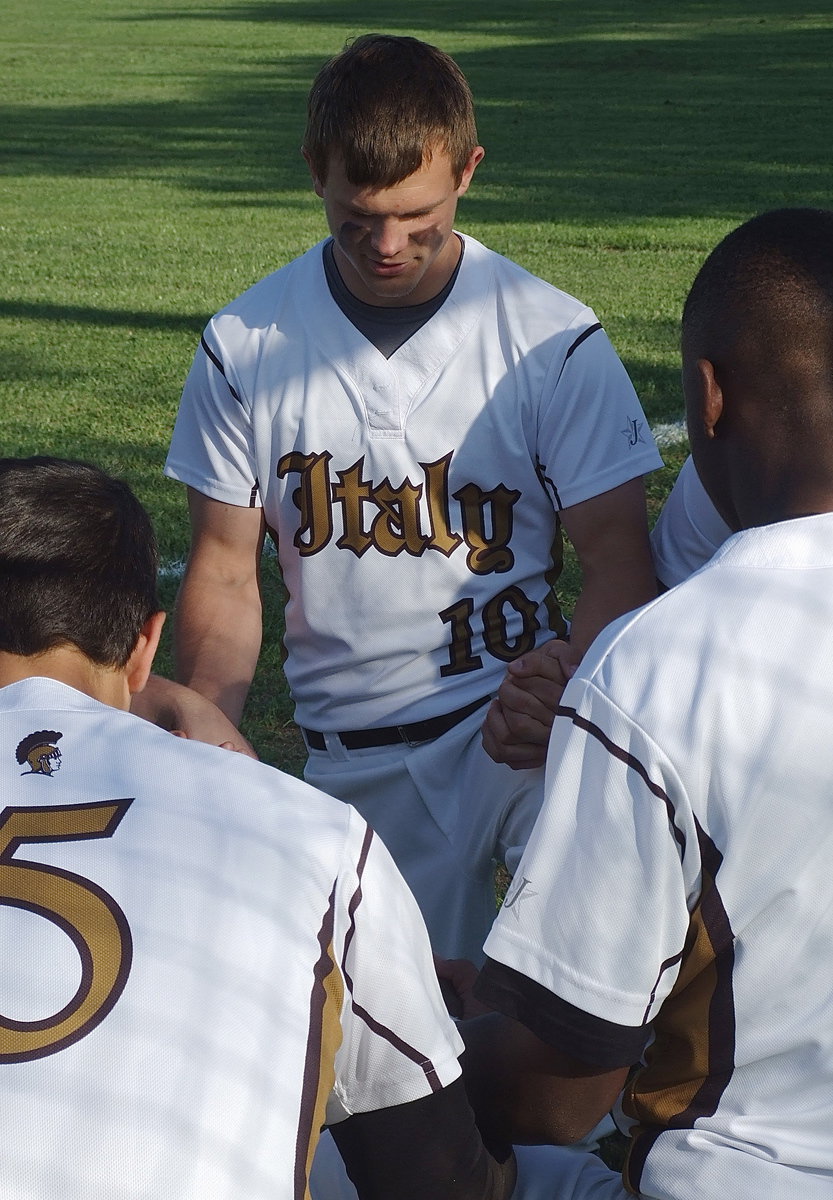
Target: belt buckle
402, 730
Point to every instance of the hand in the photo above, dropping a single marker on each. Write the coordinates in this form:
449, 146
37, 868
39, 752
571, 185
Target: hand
457, 976
241, 746
186, 713
517, 727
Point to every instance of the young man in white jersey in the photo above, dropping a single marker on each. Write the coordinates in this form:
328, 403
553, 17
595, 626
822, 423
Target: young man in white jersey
415, 419
204, 960
673, 904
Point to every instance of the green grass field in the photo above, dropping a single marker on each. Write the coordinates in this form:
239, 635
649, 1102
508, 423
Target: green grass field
150, 171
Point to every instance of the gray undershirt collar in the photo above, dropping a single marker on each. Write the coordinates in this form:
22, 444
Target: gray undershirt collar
387, 328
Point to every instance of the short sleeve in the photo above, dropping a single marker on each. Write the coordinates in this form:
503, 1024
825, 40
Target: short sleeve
689, 529
593, 435
399, 1043
598, 909
212, 448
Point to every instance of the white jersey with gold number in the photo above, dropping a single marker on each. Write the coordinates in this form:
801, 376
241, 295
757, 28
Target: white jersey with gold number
415, 499
203, 960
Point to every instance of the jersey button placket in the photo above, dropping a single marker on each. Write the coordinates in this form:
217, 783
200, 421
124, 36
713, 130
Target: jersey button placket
383, 413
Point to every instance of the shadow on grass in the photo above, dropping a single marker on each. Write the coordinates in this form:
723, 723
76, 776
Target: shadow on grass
715, 106
139, 464
193, 323
657, 386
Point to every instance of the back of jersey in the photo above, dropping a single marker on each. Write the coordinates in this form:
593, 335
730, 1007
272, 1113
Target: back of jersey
169, 923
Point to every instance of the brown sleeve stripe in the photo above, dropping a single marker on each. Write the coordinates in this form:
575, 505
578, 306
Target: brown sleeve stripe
355, 899
218, 364
702, 1004
547, 484
629, 760
377, 1027
582, 337
416, 1056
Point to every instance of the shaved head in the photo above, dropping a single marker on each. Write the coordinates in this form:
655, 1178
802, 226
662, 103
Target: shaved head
762, 268
760, 314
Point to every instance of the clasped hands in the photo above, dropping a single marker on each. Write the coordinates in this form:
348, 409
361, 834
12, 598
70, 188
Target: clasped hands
517, 727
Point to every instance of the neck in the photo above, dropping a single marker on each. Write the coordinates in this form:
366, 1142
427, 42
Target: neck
68, 665
429, 286
768, 491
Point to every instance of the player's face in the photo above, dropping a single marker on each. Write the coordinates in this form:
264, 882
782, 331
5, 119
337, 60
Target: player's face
395, 246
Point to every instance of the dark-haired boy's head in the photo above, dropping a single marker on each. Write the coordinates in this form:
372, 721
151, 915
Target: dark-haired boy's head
383, 106
78, 561
758, 273
757, 343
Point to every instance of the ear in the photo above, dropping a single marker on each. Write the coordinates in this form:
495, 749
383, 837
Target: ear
477, 155
711, 396
317, 185
141, 660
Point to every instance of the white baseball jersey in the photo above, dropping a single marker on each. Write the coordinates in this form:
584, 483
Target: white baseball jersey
688, 531
414, 498
678, 879
203, 960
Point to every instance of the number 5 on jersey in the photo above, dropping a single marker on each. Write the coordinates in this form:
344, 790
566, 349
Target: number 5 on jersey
79, 907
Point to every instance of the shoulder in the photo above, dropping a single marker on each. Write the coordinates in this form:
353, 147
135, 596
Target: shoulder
510, 276
190, 778
532, 313
256, 307
653, 649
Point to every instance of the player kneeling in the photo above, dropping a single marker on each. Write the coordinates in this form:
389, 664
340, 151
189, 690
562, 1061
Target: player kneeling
205, 960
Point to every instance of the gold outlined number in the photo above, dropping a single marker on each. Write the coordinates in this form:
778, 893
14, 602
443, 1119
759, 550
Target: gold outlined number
495, 638
80, 908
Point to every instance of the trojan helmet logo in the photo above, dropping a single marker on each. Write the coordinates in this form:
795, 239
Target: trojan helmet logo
40, 752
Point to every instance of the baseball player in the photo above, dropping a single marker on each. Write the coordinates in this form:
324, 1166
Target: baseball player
674, 900
204, 960
415, 420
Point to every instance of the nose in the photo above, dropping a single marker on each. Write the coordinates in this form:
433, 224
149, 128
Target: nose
387, 237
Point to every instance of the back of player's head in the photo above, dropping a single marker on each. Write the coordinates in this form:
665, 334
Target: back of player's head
758, 368
769, 282
383, 105
78, 561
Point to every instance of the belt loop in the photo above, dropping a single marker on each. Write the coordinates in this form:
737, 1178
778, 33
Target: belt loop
402, 730
335, 747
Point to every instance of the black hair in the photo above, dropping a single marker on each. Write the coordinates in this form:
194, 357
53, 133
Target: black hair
78, 560
759, 270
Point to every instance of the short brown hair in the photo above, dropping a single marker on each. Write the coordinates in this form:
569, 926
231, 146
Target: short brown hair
383, 105
78, 561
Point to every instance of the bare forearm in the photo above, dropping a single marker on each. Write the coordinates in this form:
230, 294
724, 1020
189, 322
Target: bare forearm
183, 711
217, 636
160, 702
606, 595
525, 1092
610, 536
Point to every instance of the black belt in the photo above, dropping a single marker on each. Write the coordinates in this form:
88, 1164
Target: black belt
412, 735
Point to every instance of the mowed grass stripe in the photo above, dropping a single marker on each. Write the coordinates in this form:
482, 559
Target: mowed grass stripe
149, 171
